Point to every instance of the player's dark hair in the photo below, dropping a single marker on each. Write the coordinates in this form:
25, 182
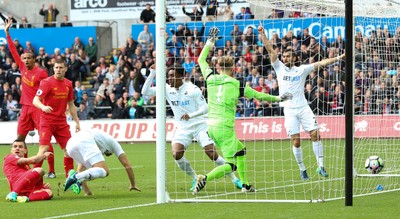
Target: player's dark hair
17, 140
178, 69
60, 61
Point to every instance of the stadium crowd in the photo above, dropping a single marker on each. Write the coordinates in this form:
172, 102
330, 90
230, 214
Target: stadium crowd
116, 80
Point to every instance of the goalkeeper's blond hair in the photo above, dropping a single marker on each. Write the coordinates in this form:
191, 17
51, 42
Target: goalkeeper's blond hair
226, 64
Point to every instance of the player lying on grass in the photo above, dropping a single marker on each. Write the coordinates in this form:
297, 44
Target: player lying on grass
26, 184
223, 95
87, 148
190, 110
297, 111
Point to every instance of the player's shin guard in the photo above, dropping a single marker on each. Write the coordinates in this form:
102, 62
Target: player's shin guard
31, 178
39, 196
219, 171
50, 159
68, 165
242, 168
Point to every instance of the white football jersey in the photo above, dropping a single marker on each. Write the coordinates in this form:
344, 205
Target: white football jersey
104, 141
187, 99
292, 80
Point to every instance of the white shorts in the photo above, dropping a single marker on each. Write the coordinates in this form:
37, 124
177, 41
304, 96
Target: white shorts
294, 117
199, 132
84, 151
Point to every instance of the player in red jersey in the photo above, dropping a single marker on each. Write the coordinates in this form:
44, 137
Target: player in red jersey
31, 76
53, 96
26, 184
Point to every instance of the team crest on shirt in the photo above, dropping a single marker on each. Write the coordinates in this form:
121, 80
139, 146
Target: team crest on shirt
55, 88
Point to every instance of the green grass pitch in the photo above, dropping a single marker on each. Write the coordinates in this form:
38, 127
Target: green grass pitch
113, 199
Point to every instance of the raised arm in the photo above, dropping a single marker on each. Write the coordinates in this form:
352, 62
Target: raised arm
10, 43
204, 67
251, 93
146, 89
326, 62
267, 44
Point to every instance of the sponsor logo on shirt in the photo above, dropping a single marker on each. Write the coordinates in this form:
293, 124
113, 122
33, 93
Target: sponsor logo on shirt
180, 103
291, 78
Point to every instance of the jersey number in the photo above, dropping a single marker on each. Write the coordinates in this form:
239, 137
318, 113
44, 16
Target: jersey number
219, 93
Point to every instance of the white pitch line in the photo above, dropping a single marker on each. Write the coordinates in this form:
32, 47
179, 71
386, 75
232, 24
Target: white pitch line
100, 211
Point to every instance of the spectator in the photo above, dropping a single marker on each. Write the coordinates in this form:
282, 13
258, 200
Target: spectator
19, 47
91, 50
174, 46
196, 14
147, 15
212, 9
42, 58
29, 47
12, 107
243, 14
145, 38
112, 74
105, 89
77, 93
101, 107
84, 59
134, 111
102, 64
77, 45
135, 82
13, 73
66, 22
131, 46
74, 69
24, 23
118, 88
49, 15
226, 13
168, 16
119, 110
83, 112
13, 20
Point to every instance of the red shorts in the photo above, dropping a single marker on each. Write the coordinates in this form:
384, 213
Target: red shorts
27, 190
60, 131
29, 119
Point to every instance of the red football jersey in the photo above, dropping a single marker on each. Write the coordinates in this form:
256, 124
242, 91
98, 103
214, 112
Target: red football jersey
30, 79
55, 93
12, 170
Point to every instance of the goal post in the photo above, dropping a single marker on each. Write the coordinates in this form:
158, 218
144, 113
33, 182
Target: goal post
272, 168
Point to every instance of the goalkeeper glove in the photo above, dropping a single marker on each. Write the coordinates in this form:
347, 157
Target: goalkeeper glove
213, 34
286, 96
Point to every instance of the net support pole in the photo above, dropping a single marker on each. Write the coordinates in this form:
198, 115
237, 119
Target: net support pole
349, 104
160, 100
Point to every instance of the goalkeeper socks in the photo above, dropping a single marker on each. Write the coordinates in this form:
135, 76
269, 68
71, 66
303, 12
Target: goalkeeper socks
91, 173
50, 159
68, 165
38, 196
219, 172
184, 165
298, 154
219, 161
319, 152
242, 169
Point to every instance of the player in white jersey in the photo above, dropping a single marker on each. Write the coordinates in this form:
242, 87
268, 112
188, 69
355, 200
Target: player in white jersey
297, 112
190, 110
87, 148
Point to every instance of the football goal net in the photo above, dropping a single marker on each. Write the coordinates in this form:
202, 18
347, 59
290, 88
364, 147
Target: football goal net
315, 30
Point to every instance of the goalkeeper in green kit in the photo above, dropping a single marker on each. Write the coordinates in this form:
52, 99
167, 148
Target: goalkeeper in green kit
223, 94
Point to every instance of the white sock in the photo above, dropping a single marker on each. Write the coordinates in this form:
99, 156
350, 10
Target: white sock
298, 154
91, 174
220, 161
184, 165
319, 152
